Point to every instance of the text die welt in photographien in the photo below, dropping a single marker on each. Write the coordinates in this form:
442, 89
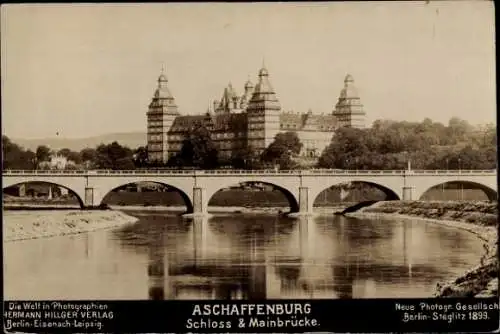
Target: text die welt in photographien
56, 315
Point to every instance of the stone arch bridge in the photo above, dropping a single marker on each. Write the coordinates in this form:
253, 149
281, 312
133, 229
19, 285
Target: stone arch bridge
301, 187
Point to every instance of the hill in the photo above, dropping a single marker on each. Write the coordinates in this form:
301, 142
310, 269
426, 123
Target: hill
130, 139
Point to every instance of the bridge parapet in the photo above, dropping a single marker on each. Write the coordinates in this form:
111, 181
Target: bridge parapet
103, 172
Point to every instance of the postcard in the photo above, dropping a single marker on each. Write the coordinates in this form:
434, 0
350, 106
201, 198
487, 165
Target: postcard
249, 167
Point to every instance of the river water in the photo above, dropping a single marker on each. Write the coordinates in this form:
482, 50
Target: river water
234, 256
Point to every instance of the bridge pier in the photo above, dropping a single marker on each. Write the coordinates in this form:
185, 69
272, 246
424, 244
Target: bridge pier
88, 201
91, 198
305, 203
200, 205
407, 193
22, 190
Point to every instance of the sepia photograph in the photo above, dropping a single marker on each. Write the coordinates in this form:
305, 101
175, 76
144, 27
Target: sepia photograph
249, 151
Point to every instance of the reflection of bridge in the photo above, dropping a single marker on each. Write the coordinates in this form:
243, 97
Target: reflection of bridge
300, 187
259, 275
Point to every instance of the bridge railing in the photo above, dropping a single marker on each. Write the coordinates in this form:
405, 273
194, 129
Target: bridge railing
455, 171
245, 172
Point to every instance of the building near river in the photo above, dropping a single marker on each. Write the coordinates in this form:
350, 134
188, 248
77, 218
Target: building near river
247, 121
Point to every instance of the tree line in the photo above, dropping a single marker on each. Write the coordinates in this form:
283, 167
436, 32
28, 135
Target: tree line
425, 145
385, 145
104, 156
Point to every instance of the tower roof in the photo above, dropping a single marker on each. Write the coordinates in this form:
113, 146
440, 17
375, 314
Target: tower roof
263, 95
349, 91
162, 78
263, 72
231, 92
162, 90
264, 85
163, 101
248, 84
348, 78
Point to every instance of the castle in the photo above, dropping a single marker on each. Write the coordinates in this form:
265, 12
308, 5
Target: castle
250, 121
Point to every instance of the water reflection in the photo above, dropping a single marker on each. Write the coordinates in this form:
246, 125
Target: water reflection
157, 269
245, 257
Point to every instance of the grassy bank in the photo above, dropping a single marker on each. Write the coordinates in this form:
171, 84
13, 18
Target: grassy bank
478, 217
19, 225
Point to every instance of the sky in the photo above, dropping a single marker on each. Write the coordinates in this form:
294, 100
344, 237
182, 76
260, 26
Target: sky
91, 69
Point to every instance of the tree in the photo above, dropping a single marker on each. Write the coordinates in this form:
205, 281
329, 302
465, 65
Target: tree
245, 158
65, 152
42, 153
349, 146
75, 157
88, 154
114, 156
281, 150
198, 150
141, 156
70, 155
15, 157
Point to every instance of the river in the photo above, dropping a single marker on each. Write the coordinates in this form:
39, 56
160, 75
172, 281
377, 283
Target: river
233, 256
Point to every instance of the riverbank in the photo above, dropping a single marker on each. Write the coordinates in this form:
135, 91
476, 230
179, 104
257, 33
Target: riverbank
19, 225
477, 217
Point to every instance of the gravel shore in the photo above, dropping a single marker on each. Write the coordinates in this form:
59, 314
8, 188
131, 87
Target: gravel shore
19, 225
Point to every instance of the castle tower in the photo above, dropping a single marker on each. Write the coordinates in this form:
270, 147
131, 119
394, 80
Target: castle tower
229, 101
161, 115
245, 98
349, 110
263, 114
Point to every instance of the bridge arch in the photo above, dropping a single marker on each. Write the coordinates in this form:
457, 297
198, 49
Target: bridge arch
182, 192
79, 195
290, 195
387, 189
489, 190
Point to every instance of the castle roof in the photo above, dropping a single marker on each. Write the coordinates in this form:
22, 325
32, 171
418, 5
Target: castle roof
230, 122
309, 121
215, 122
184, 123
